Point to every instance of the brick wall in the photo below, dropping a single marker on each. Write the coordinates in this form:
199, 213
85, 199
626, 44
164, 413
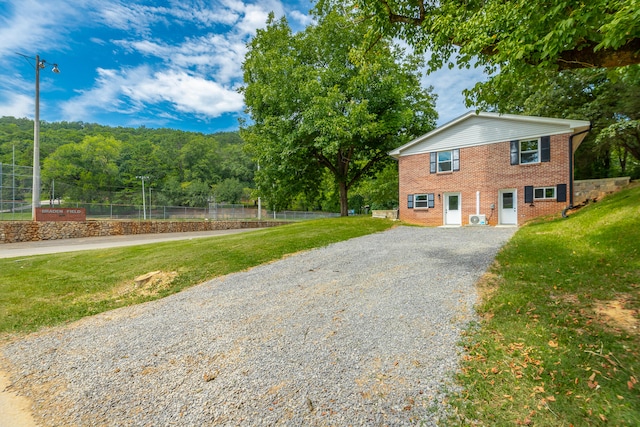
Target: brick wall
26, 231
487, 169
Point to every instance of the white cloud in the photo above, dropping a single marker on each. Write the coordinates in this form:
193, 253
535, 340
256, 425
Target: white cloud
35, 25
16, 105
448, 85
129, 16
134, 90
190, 94
301, 19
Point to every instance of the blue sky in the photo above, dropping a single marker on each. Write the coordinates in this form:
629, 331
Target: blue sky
163, 63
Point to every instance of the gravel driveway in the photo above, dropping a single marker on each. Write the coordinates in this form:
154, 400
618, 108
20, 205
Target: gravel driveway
361, 332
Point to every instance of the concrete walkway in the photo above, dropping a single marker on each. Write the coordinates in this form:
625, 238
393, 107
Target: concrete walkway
44, 247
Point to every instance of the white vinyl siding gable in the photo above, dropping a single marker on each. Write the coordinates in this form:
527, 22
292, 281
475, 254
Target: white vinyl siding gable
487, 128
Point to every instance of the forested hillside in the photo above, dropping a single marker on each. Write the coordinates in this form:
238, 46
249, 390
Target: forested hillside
88, 162
92, 163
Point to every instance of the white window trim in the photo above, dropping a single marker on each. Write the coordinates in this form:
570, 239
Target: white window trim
450, 161
425, 201
544, 193
537, 151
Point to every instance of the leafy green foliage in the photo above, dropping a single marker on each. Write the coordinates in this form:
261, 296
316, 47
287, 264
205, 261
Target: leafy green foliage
609, 99
316, 105
86, 167
558, 343
380, 191
93, 163
511, 39
41, 291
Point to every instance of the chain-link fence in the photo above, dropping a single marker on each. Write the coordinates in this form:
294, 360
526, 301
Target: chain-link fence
215, 212
15, 204
15, 191
223, 211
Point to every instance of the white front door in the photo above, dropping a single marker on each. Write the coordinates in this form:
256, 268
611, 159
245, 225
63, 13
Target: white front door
452, 212
508, 207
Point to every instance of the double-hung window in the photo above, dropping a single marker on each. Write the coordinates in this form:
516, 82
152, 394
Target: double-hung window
530, 151
445, 161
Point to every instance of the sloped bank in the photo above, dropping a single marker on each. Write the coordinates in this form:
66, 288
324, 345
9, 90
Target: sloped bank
30, 231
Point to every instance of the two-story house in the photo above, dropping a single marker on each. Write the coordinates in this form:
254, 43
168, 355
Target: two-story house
489, 168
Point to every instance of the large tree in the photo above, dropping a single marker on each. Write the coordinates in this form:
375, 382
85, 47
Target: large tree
510, 38
315, 104
88, 170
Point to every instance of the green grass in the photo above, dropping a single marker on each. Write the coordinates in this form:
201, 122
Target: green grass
543, 354
20, 216
47, 290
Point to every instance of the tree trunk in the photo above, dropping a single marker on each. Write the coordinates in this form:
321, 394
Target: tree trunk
344, 201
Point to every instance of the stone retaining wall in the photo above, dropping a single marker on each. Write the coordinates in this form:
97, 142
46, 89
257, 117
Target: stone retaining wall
597, 188
28, 231
390, 214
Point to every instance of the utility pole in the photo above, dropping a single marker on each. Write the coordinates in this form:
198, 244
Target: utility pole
144, 203
35, 196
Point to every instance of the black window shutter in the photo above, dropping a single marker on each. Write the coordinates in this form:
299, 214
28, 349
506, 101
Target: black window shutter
455, 156
545, 149
528, 194
430, 200
433, 163
410, 201
561, 193
515, 152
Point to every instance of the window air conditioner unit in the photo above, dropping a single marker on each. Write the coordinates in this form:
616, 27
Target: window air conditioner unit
477, 219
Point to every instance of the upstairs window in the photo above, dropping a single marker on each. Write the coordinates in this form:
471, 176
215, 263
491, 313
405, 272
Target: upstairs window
445, 161
529, 151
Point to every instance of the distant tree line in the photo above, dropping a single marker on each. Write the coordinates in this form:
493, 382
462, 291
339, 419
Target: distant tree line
93, 163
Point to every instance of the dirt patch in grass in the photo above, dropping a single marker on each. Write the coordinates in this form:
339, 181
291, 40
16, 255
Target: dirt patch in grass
487, 285
157, 282
615, 314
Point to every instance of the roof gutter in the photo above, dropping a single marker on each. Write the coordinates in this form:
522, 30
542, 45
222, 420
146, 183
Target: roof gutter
564, 212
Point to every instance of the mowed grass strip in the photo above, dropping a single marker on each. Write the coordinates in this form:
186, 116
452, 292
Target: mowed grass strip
48, 290
558, 343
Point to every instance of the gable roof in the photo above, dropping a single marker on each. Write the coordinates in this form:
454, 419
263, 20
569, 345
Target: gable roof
481, 128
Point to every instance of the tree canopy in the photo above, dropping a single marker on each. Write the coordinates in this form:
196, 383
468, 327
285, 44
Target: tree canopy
318, 108
88, 162
510, 38
609, 99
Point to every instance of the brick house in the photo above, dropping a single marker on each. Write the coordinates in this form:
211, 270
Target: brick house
489, 168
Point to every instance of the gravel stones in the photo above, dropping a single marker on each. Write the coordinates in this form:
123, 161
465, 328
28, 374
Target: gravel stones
361, 332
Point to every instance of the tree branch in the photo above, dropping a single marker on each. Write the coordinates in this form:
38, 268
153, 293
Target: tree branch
396, 18
584, 55
375, 159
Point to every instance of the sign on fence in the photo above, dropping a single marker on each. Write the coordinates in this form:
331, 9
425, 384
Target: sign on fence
61, 214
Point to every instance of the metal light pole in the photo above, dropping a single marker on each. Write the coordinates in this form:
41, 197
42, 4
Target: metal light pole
144, 203
35, 197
